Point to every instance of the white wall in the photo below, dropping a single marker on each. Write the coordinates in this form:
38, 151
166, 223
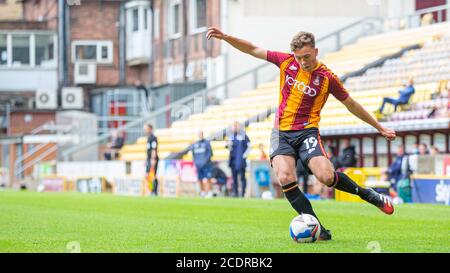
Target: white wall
28, 79
108, 169
401, 7
272, 24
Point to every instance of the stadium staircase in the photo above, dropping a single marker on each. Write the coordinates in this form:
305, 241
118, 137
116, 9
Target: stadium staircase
350, 58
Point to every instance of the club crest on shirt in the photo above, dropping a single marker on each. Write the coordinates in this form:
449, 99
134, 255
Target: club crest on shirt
316, 81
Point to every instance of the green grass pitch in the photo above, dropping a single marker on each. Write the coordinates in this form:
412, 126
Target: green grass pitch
53, 222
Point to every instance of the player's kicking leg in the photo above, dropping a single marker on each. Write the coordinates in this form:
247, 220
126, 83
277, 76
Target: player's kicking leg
323, 169
284, 167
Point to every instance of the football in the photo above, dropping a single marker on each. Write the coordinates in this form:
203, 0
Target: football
304, 228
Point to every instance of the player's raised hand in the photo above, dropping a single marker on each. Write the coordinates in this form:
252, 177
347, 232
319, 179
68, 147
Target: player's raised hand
389, 134
215, 33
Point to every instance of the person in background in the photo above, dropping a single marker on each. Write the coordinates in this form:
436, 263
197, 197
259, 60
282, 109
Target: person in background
427, 19
211, 99
114, 146
262, 155
302, 176
423, 149
152, 157
239, 146
202, 153
415, 149
348, 156
403, 99
140, 86
219, 178
399, 174
396, 170
440, 91
434, 150
334, 160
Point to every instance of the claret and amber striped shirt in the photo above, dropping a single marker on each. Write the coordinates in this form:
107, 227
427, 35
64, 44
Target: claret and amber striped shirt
303, 94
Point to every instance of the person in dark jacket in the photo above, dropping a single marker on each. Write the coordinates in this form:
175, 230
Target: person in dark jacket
398, 169
239, 146
202, 153
219, 178
334, 160
348, 156
404, 96
114, 146
152, 156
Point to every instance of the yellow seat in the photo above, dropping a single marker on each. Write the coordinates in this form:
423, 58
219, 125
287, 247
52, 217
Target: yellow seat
252, 102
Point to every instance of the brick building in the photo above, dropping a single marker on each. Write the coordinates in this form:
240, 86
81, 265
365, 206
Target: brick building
96, 52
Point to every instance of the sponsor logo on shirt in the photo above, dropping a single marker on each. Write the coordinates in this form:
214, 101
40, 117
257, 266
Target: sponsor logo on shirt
301, 86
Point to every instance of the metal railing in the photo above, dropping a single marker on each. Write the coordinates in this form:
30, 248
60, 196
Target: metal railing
414, 19
19, 166
196, 102
19, 170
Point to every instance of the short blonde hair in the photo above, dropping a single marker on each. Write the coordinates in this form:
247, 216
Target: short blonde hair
302, 39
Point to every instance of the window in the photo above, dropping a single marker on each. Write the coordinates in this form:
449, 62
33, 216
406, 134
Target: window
175, 19
44, 50
20, 50
198, 14
104, 52
138, 16
145, 18
28, 50
86, 52
95, 51
3, 50
135, 17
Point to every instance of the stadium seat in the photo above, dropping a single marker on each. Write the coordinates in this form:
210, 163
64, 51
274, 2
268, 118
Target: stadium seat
428, 65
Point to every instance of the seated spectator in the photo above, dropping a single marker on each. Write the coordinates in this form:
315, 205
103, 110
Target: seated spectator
348, 156
114, 146
403, 99
440, 91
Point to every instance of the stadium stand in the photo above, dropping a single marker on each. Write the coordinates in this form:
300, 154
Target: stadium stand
428, 65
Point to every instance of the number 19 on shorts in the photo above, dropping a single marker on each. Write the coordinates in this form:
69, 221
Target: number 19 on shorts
311, 144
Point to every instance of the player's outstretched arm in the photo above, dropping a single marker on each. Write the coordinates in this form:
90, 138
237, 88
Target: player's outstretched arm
240, 44
356, 109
